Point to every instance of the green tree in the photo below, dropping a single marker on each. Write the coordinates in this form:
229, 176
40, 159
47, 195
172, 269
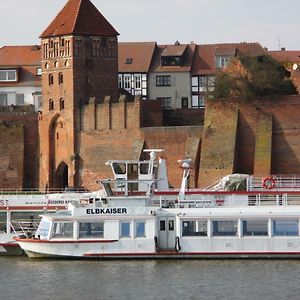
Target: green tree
251, 77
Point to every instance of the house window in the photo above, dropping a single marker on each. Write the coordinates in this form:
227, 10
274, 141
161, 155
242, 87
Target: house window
51, 79
19, 99
222, 61
128, 61
3, 99
198, 101
51, 104
61, 104
60, 78
8, 75
38, 71
163, 80
127, 81
62, 42
137, 81
120, 81
171, 61
166, 102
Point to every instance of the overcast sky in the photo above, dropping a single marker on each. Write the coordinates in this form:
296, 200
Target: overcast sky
272, 23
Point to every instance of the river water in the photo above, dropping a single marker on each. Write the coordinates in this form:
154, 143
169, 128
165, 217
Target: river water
24, 278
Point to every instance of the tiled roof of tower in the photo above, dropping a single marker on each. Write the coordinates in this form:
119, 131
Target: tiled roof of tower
204, 61
135, 56
79, 17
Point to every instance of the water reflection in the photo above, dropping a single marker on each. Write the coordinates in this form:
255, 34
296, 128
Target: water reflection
23, 278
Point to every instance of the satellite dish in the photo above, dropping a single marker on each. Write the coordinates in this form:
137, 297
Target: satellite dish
295, 67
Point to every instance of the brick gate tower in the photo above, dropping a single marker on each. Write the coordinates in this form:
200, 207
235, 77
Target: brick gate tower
79, 62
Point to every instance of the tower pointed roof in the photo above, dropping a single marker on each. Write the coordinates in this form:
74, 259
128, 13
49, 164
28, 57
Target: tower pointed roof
79, 17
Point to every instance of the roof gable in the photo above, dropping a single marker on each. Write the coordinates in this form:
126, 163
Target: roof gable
79, 17
204, 61
135, 57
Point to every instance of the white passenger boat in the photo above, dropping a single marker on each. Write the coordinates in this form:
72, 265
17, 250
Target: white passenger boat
20, 213
240, 217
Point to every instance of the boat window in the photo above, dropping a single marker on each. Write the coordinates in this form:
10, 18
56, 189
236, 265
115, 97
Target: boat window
224, 228
171, 225
140, 229
91, 229
119, 168
43, 229
162, 225
285, 227
125, 229
194, 228
144, 168
255, 227
2, 221
62, 230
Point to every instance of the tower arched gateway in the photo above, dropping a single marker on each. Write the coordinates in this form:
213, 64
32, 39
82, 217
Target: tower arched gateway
79, 61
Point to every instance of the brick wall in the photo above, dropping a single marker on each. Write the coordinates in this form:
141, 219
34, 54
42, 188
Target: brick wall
19, 150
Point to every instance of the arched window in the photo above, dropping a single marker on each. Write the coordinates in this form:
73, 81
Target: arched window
61, 103
60, 78
51, 104
51, 79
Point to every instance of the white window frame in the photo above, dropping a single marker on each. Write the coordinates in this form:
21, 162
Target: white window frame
6, 72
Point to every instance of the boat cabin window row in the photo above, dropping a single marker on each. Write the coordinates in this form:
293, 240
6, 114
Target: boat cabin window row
261, 227
83, 230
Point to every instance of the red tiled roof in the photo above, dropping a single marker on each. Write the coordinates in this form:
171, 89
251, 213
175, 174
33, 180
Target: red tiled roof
79, 17
26, 59
174, 50
138, 53
188, 56
20, 55
204, 61
286, 56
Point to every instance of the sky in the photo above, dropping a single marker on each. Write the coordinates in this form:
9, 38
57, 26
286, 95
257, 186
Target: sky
272, 23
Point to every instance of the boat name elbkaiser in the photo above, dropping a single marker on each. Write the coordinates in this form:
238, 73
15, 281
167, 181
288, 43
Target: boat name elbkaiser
104, 211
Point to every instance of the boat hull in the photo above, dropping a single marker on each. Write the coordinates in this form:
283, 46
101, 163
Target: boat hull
44, 249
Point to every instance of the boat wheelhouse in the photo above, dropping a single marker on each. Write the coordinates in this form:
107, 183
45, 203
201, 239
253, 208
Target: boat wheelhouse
240, 216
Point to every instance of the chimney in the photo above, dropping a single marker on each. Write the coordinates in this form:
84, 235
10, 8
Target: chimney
282, 48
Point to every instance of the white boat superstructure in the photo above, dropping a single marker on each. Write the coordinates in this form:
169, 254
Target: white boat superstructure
235, 218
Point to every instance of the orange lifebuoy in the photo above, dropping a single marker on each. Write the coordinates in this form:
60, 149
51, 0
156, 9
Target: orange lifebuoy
268, 183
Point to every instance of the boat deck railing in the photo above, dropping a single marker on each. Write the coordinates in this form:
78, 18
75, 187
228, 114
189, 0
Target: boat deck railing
230, 199
24, 227
276, 182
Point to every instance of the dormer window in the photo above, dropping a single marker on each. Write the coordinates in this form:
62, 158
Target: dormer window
171, 61
128, 61
222, 61
8, 75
